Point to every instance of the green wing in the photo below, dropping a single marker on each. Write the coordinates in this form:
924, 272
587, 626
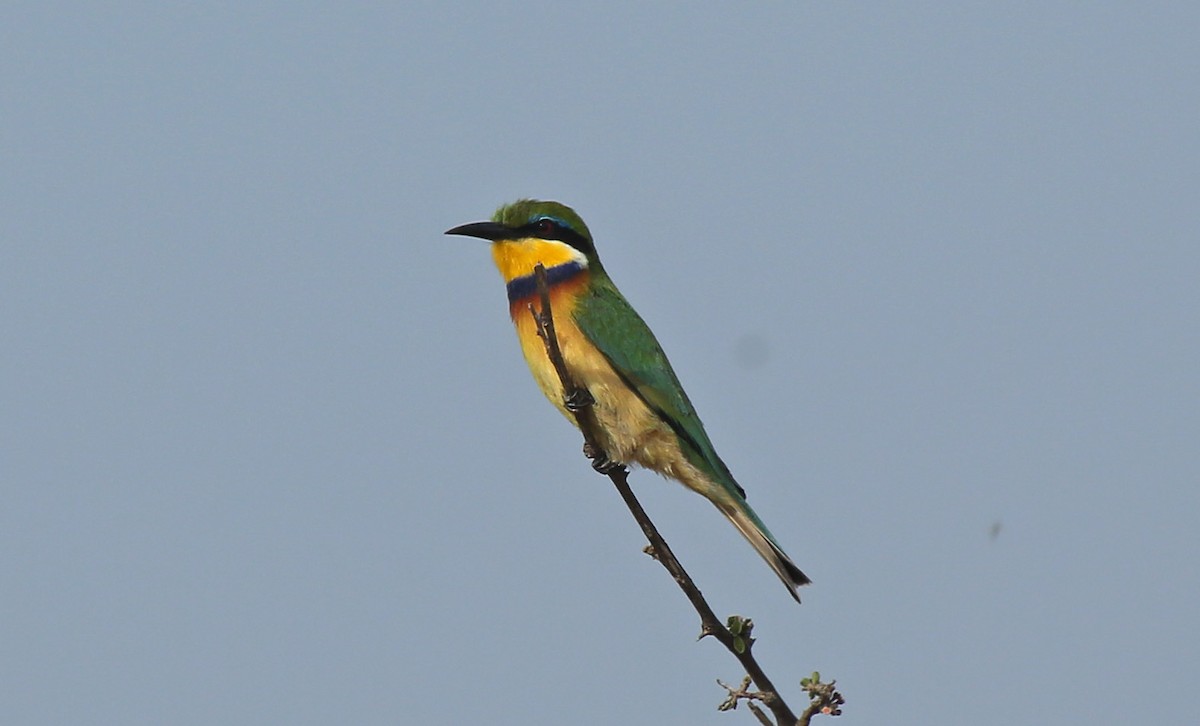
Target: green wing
625, 340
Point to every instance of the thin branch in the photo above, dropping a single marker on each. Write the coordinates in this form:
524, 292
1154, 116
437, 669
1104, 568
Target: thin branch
579, 401
739, 694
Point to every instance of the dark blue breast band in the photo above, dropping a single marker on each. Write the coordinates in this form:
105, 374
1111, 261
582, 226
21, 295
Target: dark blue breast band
520, 288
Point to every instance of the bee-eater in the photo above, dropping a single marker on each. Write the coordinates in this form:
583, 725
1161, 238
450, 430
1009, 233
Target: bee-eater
643, 413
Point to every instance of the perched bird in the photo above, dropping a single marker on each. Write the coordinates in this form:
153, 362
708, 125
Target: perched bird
643, 413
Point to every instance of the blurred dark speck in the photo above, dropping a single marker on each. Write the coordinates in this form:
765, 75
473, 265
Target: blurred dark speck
995, 530
752, 350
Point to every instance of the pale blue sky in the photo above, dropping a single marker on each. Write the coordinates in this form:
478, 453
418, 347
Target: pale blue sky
269, 453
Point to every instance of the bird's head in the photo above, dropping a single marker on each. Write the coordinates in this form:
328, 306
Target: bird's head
530, 231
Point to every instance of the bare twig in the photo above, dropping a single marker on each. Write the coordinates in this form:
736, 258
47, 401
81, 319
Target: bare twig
579, 401
741, 693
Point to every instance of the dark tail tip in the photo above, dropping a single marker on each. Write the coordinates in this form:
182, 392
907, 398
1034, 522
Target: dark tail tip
798, 578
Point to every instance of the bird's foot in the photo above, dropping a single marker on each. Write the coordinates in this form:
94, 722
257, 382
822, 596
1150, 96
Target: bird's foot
600, 460
578, 399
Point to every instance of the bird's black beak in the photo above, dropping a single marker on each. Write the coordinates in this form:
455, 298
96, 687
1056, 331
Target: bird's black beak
483, 230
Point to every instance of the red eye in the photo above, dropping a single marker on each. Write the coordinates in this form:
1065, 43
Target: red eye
545, 226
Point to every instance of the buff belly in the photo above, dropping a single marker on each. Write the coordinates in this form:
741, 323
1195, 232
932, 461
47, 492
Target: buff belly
631, 432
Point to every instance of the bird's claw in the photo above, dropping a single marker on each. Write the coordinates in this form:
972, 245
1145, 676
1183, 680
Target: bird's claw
578, 399
605, 466
600, 460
